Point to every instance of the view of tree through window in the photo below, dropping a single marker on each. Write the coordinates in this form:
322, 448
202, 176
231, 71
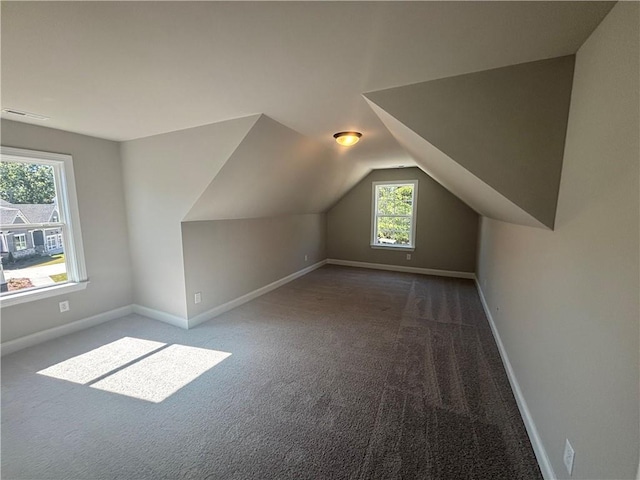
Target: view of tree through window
394, 210
31, 234
27, 183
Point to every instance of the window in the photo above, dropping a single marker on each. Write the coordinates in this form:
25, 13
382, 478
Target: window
20, 242
54, 242
37, 194
394, 214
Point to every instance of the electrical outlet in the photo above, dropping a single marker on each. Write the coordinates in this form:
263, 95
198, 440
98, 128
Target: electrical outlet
408, 256
306, 258
197, 298
569, 453
64, 306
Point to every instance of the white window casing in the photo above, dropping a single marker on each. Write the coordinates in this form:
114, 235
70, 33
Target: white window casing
68, 223
375, 216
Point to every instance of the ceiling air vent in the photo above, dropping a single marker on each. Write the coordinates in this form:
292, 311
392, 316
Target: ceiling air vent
20, 113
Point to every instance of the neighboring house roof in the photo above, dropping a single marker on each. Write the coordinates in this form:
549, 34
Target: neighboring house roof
37, 213
8, 215
31, 213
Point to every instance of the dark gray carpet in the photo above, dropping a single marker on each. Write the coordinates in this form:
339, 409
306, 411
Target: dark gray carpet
343, 374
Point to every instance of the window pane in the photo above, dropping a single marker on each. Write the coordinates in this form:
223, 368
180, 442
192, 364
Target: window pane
395, 199
385, 200
394, 230
41, 264
404, 200
26, 184
31, 257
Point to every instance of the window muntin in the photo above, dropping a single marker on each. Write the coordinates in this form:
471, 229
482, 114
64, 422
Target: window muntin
60, 221
394, 211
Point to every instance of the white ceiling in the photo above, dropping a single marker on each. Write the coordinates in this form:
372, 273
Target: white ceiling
125, 70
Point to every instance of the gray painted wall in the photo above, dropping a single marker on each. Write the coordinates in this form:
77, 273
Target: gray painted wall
446, 228
568, 300
252, 167
164, 176
506, 126
225, 259
99, 185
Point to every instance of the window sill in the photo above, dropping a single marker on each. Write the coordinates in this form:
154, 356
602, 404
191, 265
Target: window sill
407, 248
40, 293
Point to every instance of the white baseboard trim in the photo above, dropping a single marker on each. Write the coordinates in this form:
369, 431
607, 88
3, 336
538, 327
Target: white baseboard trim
46, 335
401, 268
225, 307
161, 316
532, 431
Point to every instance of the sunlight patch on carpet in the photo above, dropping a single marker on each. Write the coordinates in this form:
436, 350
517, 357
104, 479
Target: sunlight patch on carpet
158, 376
102, 360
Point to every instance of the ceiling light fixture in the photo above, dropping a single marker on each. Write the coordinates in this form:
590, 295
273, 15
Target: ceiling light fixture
346, 139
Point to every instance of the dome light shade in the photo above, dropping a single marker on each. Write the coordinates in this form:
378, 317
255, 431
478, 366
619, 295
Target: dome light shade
346, 139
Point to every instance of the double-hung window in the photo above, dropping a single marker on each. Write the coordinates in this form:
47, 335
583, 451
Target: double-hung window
42, 253
394, 214
20, 241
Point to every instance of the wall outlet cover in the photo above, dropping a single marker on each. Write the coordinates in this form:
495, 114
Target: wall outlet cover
197, 298
64, 306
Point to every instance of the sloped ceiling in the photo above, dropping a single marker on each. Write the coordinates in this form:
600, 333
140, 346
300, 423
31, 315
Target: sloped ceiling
493, 138
130, 70
454, 177
277, 171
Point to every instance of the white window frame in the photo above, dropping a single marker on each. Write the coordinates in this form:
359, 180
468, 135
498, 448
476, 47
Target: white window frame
69, 223
16, 236
374, 214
